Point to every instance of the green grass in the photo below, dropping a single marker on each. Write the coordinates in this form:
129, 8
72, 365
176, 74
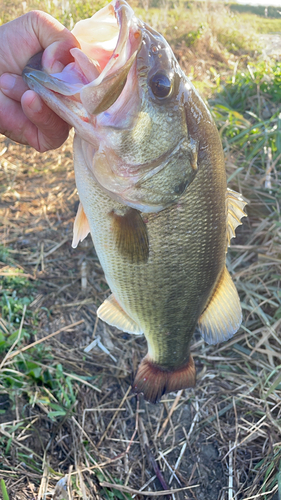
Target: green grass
258, 10
246, 107
262, 25
4, 490
33, 376
32, 373
67, 15
180, 22
205, 25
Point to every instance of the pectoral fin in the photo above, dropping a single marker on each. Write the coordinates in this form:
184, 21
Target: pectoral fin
81, 226
235, 204
131, 236
222, 317
113, 314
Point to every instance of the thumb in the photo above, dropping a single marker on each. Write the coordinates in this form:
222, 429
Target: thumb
54, 37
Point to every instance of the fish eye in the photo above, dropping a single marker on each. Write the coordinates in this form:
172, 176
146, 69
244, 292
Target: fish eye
160, 85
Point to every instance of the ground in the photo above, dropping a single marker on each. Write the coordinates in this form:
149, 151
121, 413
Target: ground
70, 427
97, 436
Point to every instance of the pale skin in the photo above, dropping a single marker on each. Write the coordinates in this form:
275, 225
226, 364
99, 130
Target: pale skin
24, 117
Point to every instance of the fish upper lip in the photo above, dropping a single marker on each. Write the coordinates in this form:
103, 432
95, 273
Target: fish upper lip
66, 100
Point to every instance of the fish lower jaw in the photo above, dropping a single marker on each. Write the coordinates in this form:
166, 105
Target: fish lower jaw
153, 380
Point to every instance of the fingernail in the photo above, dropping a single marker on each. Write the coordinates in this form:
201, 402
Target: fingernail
56, 67
7, 82
36, 105
50, 60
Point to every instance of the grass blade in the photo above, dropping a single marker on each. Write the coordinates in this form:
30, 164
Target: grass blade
4, 490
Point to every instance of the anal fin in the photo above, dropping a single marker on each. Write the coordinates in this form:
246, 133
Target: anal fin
81, 226
113, 314
223, 316
235, 204
153, 381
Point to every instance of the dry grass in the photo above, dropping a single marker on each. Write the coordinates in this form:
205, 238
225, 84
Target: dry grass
69, 425
207, 37
223, 436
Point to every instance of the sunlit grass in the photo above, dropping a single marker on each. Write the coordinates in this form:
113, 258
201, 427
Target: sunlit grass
246, 107
185, 23
262, 24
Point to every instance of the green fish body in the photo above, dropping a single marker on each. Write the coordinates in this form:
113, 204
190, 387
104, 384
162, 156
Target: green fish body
150, 173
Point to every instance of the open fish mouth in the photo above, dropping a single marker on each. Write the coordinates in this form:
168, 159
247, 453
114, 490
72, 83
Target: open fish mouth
110, 41
105, 93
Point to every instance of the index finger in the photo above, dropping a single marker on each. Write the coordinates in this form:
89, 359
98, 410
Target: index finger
54, 37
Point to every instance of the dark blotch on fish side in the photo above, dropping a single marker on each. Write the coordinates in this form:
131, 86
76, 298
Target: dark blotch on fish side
180, 188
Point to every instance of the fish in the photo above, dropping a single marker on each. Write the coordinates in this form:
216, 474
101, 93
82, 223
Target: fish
150, 173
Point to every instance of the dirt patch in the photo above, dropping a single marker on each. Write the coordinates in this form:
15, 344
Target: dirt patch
223, 432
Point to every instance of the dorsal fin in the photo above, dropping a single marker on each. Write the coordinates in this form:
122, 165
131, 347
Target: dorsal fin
234, 205
81, 226
222, 317
113, 314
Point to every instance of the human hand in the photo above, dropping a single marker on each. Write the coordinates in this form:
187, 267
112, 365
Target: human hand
24, 117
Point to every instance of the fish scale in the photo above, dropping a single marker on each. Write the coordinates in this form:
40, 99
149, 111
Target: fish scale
165, 295
150, 173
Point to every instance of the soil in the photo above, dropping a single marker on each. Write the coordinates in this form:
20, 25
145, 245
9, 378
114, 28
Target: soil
109, 434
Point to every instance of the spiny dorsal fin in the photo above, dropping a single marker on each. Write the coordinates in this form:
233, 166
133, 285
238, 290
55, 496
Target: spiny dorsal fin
81, 226
113, 314
234, 205
222, 317
131, 235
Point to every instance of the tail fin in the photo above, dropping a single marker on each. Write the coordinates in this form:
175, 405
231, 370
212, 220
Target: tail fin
153, 381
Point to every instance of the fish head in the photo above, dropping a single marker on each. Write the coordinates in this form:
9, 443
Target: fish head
125, 95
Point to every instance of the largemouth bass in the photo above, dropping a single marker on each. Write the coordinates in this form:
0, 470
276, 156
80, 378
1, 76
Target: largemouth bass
150, 173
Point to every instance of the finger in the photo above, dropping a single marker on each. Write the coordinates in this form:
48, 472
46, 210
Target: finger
16, 125
52, 130
29, 34
13, 122
54, 37
13, 86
